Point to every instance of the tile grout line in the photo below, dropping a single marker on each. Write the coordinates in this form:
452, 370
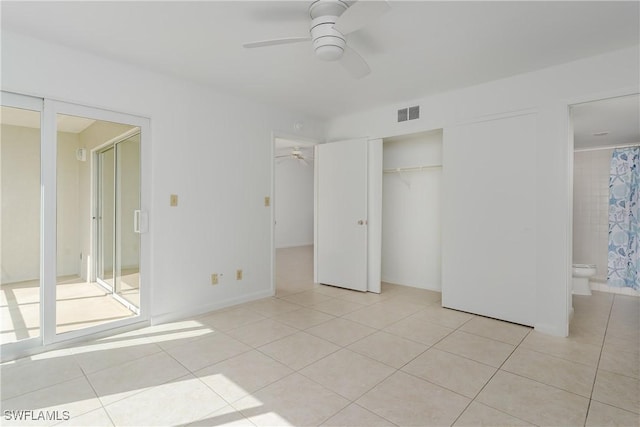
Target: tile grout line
491, 378
598, 366
86, 377
595, 377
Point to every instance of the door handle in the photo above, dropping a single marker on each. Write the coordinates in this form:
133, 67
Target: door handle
362, 222
136, 221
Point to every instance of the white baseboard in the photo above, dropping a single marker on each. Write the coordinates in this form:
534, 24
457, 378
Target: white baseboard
428, 286
294, 245
196, 311
603, 287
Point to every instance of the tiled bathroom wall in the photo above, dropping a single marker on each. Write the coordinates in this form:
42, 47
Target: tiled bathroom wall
590, 209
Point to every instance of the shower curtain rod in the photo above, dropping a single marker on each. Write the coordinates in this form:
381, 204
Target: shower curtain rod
608, 147
411, 168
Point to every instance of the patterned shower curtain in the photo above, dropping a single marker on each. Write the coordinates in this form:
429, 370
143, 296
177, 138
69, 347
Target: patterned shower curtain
624, 224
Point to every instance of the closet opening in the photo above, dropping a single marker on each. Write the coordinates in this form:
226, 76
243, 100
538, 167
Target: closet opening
411, 210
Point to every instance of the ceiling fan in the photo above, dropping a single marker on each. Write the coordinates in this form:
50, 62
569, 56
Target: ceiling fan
331, 21
296, 154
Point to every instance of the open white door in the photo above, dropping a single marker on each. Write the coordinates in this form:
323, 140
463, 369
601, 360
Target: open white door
341, 188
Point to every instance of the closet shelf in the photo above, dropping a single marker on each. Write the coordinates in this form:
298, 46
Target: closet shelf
412, 168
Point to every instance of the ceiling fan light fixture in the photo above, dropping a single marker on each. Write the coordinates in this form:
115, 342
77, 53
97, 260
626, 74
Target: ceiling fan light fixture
329, 52
331, 20
328, 43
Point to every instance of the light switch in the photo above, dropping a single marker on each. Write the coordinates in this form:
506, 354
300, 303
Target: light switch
173, 200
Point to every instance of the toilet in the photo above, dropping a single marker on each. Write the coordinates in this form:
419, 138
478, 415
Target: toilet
581, 275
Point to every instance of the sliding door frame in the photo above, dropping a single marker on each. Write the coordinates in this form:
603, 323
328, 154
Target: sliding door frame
31, 103
49, 109
97, 223
49, 172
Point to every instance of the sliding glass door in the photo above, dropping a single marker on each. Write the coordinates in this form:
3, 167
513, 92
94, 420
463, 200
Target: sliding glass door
20, 219
105, 218
98, 242
72, 226
127, 222
118, 220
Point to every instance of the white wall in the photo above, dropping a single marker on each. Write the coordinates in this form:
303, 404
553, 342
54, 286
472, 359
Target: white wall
548, 92
293, 203
20, 227
212, 150
591, 209
411, 225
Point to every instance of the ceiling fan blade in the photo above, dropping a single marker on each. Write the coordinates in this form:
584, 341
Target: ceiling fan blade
274, 42
354, 64
360, 14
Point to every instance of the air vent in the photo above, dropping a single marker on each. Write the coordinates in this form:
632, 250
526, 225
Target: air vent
414, 112
409, 113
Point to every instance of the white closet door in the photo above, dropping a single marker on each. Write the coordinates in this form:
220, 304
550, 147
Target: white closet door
489, 218
341, 214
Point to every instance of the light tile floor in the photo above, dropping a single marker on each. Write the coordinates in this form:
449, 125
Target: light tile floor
319, 355
78, 305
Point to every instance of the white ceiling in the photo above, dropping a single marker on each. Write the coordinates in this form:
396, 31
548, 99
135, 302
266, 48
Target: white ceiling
418, 48
618, 117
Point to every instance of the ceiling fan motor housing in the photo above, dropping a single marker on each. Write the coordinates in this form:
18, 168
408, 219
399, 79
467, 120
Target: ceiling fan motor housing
328, 43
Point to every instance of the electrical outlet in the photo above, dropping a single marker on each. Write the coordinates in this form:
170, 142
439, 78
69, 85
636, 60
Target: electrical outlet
239, 274
173, 200
214, 278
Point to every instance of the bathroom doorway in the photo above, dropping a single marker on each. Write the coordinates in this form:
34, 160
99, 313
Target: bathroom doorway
599, 128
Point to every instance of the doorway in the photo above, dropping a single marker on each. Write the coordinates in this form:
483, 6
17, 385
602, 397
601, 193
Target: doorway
293, 199
599, 128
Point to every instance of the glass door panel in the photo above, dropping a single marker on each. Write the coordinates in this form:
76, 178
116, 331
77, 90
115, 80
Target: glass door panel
127, 221
20, 142
86, 223
106, 217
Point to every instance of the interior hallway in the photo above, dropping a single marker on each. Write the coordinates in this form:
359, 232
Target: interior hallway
320, 355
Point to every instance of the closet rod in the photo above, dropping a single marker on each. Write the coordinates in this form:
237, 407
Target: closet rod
412, 168
608, 147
